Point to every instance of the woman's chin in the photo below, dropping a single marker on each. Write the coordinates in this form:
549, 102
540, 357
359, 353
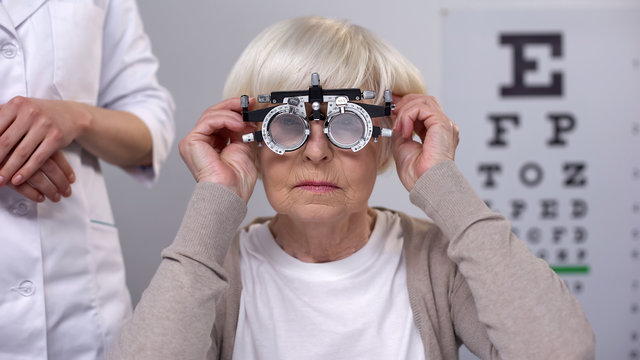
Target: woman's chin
321, 212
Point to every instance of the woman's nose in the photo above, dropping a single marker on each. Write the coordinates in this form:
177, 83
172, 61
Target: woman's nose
317, 148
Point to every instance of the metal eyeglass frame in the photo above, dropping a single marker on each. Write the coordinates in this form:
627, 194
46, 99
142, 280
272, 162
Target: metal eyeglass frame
338, 102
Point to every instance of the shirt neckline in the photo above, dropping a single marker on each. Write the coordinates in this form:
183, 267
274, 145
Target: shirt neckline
328, 271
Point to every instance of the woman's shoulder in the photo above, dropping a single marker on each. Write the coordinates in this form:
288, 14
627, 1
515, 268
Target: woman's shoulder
261, 220
421, 235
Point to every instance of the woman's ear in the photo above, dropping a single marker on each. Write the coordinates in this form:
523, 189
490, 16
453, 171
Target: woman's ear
384, 158
258, 158
385, 144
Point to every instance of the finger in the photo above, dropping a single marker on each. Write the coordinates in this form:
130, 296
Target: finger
401, 101
43, 185
21, 154
228, 104
218, 126
456, 134
408, 102
60, 160
24, 139
420, 114
213, 121
229, 107
57, 177
397, 141
9, 111
28, 191
232, 104
236, 136
433, 102
212, 114
43, 152
13, 126
401, 104
412, 118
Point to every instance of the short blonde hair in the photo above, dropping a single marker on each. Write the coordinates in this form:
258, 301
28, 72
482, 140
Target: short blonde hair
284, 56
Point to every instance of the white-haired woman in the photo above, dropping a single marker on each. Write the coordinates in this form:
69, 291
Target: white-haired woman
330, 277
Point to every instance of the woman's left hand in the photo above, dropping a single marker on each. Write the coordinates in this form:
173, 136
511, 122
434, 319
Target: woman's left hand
440, 136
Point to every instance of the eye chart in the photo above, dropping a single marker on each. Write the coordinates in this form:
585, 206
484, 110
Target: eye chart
548, 103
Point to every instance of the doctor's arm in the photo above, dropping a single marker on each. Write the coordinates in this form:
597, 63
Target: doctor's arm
129, 86
34, 129
130, 126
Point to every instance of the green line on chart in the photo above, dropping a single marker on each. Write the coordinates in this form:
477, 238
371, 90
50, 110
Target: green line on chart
571, 269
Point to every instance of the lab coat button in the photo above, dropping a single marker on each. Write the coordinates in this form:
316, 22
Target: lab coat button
9, 50
25, 288
21, 208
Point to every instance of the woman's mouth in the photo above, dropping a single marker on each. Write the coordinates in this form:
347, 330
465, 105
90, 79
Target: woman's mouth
318, 187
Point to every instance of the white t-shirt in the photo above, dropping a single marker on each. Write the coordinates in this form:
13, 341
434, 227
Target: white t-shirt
354, 308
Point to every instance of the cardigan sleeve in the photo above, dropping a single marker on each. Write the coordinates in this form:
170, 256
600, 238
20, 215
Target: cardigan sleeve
526, 309
176, 313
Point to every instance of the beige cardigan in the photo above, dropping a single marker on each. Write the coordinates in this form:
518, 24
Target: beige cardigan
470, 280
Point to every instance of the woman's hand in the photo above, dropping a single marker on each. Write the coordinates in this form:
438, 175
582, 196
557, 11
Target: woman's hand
214, 151
32, 130
440, 136
52, 180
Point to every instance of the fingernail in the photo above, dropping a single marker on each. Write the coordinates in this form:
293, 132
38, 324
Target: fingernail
56, 197
40, 198
1, 180
17, 179
72, 177
67, 192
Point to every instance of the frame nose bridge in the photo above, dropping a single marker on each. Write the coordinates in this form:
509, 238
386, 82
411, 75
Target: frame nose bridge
316, 128
317, 147
309, 110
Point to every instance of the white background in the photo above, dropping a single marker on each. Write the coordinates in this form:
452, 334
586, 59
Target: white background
197, 42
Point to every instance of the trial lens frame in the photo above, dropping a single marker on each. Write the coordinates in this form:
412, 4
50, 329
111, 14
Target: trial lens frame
338, 101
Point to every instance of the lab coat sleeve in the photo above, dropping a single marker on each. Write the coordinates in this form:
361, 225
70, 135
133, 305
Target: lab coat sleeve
526, 310
128, 82
176, 313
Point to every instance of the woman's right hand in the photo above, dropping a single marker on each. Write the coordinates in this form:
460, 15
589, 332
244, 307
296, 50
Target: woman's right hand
214, 151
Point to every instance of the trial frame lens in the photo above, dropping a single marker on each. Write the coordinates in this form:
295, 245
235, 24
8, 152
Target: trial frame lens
288, 130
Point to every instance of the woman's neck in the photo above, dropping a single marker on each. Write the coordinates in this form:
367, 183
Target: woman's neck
318, 242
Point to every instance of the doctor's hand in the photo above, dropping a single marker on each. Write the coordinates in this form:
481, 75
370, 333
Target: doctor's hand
214, 152
440, 136
32, 130
53, 180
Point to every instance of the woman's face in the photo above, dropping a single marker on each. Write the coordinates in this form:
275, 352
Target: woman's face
319, 181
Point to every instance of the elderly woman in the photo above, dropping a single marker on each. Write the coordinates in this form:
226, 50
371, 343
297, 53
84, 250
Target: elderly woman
329, 277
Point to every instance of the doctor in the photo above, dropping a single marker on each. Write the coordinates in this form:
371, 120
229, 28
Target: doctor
78, 84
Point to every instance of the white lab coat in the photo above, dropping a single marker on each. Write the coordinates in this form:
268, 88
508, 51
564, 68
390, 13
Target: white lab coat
62, 284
